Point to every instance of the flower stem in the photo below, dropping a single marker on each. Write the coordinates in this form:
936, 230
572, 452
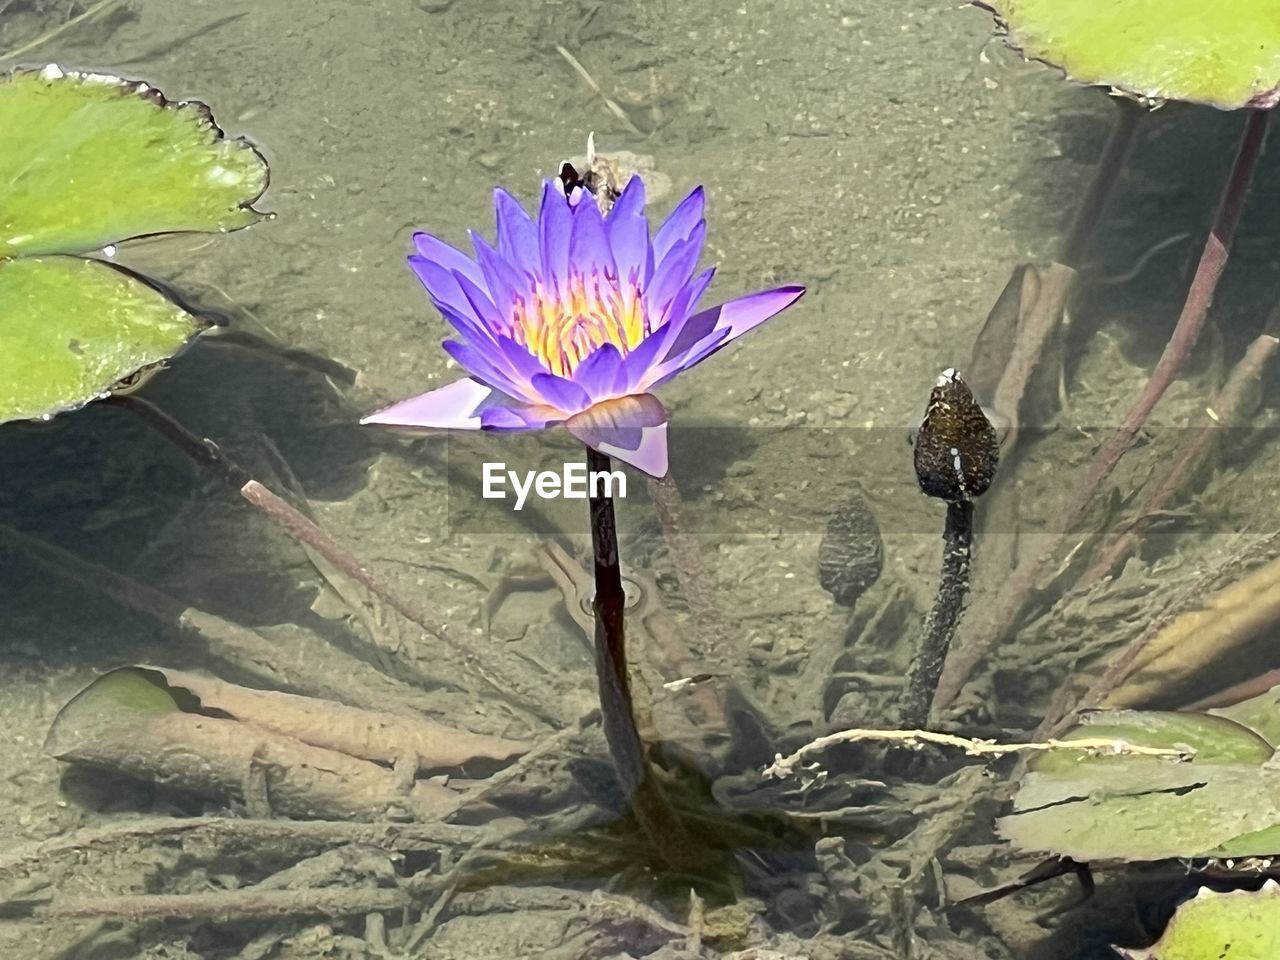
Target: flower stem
649, 804
940, 626
610, 635
1105, 176
1213, 261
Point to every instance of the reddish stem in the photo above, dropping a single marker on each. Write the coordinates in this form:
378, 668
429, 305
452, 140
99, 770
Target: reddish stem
1213, 260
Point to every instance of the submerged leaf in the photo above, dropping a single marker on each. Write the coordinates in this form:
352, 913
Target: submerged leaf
89, 160
71, 329
1224, 802
1225, 53
1236, 925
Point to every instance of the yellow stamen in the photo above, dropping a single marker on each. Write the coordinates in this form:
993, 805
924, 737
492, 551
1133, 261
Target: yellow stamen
563, 330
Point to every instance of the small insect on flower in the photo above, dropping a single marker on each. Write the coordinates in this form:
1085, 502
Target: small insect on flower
574, 318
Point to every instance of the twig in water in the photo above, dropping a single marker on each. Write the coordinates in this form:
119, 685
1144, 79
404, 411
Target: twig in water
1101, 746
306, 532
1230, 407
590, 81
956, 454
222, 905
61, 28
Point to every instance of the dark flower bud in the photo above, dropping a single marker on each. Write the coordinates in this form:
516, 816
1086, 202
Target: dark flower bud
851, 554
956, 449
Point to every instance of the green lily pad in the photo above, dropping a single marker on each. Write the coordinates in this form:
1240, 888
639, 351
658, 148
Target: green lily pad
1225, 53
1224, 802
1260, 714
72, 328
1236, 925
89, 160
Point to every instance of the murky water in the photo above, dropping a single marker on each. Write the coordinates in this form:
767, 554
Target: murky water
889, 158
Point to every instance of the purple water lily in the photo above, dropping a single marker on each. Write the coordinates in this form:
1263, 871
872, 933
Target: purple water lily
574, 319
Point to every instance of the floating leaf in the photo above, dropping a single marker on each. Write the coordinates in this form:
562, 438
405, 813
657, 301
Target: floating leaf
1224, 802
71, 328
89, 160
1226, 54
1260, 713
1237, 925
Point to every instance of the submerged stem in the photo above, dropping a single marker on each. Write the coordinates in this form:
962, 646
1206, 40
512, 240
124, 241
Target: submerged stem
1018, 588
649, 804
1105, 176
610, 635
1213, 261
306, 532
940, 626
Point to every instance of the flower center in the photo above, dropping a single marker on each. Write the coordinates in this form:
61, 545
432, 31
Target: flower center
563, 328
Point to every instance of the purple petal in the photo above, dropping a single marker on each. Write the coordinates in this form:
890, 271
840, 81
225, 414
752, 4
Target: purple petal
683, 328
726, 322
486, 363
633, 429
637, 363
517, 416
560, 393
448, 297
683, 304
501, 280
629, 234
472, 330
673, 272
744, 313
436, 250
686, 216
598, 373
455, 407
589, 244
517, 234
482, 306
522, 363
668, 370
555, 223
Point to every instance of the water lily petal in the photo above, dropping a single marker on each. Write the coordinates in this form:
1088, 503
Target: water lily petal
674, 271
629, 233
555, 226
486, 363
515, 416
664, 372
681, 307
447, 295
704, 333
467, 324
524, 365
589, 243
502, 281
560, 393
598, 373
517, 234
678, 226
745, 313
632, 429
433, 248
481, 305
455, 407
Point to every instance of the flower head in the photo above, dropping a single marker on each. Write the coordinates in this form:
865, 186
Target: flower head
574, 318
